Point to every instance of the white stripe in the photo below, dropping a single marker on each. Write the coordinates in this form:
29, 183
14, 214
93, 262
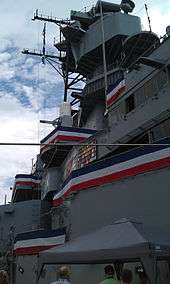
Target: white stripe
124, 165
78, 134
151, 157
27, 180
64, 190
116, 89
66, 133
40, 242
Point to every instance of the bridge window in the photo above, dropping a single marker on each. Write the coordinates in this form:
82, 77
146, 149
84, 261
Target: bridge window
130, 103
161, 131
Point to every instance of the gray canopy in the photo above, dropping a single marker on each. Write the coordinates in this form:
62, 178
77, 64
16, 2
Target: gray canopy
122, 240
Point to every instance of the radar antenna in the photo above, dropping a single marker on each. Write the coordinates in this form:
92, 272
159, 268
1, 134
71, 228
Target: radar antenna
62, 62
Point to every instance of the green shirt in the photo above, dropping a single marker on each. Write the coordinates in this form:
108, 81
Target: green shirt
110, 280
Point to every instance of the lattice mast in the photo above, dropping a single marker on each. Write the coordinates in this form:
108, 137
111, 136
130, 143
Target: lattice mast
56, 61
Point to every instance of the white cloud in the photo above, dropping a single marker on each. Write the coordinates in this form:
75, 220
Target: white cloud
159, 21
5, 57
5, 43
18, 124
6, 73
23, 89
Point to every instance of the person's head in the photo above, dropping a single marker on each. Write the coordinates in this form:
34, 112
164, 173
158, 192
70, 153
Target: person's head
109, 271
126, 276
64, 272
3, 277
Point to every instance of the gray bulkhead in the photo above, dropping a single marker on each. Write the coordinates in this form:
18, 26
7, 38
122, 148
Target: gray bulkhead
150, 89
123, 128
96, 119
29, 264
114, 24
51, 181
16, 218
145, 197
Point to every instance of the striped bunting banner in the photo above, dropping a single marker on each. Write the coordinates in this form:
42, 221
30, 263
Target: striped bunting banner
33, 242
115, 91
66, 134
132, 163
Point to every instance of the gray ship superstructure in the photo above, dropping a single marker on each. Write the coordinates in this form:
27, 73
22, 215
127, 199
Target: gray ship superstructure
109, 157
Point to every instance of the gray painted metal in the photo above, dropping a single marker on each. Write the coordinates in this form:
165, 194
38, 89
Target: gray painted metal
123, 25
16, 218
51, 181
144, 197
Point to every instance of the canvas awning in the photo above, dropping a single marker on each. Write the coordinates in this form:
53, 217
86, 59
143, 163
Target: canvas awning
123, 240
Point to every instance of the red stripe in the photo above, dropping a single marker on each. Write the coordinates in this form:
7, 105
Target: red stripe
70, 138
32, 250
123, 174
58, 201
162, 163
20, 183
61, 138
116, 96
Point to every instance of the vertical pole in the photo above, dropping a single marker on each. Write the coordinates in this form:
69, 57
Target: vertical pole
104, 53
44, 44
32, 163
60, 40
66, 76
149, 20
5, 199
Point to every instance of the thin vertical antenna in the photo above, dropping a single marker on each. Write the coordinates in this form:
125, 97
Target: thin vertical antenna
44, 43
5, 199
60, 39
32, 162
104, 52
149, 20
66, 75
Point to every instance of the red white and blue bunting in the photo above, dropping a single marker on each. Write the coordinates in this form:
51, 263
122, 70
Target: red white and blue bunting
36, 241
24, 181
131, 163
115, 91
65, 134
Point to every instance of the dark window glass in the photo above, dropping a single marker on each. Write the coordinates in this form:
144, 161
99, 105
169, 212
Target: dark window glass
162, 130
130, 103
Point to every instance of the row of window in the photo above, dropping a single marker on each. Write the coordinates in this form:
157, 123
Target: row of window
156, 133
99, 84
153, 135
149, 90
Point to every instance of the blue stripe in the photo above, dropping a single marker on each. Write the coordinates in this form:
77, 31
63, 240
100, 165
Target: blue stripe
118, 159
113, 86
26, 176
68, 129
40, 234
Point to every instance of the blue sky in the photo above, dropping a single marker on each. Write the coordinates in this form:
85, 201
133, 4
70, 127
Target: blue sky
29, 91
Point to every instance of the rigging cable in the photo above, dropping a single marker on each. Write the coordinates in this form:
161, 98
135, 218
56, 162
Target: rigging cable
37, 90
81, 144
